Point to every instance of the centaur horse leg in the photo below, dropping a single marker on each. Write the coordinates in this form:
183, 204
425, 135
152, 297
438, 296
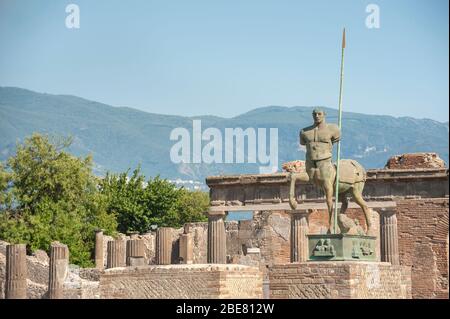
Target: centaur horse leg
329, 189
357, 196
343, 199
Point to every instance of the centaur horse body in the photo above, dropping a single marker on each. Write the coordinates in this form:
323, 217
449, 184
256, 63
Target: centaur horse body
318, 140
351, 184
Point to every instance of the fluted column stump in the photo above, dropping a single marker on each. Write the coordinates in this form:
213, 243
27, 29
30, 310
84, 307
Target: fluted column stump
216, 238
299, 238
116, 254
164, 246
135, 252
99, 262
16, 272
389, 237
186, 249
58, 269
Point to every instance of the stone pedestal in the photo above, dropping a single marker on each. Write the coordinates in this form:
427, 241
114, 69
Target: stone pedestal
135, 252
164, 246
196, 281
216, 238
58, 269
340, 280
16, 272
339, 247
186, 249
389, 237
299, 239
99, 262
116, 254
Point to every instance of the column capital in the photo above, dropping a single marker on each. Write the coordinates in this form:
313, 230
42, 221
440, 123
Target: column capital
133, 234
219, 213
386, 211
305, 211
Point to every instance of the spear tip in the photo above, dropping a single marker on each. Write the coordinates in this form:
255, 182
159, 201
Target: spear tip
343, 39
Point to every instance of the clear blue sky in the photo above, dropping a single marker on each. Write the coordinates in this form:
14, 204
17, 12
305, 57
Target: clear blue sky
227, 57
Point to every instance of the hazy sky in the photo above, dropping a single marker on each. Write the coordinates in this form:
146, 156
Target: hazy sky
227, 57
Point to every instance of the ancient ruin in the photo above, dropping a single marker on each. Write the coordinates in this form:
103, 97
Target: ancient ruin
391, 241
257, 258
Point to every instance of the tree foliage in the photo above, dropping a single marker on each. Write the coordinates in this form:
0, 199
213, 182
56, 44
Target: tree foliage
5, 180
139, 204
47, 194
51, 195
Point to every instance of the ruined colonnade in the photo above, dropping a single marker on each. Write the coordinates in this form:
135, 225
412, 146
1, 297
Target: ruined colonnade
299, 240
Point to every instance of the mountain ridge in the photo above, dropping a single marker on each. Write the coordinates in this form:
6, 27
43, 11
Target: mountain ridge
121, 137
215, 116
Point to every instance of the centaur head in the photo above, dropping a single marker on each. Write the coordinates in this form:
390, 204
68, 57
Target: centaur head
318, 115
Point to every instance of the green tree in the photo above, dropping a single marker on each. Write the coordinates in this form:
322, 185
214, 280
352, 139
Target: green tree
139, 204
53, 196
5, 180
191, 206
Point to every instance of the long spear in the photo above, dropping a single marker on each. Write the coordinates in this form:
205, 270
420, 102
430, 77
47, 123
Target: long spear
341, 84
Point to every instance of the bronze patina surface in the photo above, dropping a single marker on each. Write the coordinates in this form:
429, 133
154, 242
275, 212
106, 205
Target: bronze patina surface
341, 247
318, 140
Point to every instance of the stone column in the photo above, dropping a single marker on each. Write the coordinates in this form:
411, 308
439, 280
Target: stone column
299, 239
135, 252
186, 249
16, 272
116, 254
216, 238
389, 237
164, 246
99, 262
58, 269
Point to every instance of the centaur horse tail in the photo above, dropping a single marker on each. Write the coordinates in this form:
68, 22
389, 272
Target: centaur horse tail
292, 200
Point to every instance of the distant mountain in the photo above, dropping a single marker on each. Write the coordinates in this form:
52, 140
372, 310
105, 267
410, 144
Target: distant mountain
120, 137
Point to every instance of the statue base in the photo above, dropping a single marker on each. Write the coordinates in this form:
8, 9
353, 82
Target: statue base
342, 247
339, 280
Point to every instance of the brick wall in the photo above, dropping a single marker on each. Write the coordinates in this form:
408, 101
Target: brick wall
182, 281
423, 244
423, 241
343, 280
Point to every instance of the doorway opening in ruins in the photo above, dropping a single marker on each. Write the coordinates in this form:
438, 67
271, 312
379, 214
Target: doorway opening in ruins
239, 215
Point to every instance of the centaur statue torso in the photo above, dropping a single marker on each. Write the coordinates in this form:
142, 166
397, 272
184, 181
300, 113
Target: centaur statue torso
318, 140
